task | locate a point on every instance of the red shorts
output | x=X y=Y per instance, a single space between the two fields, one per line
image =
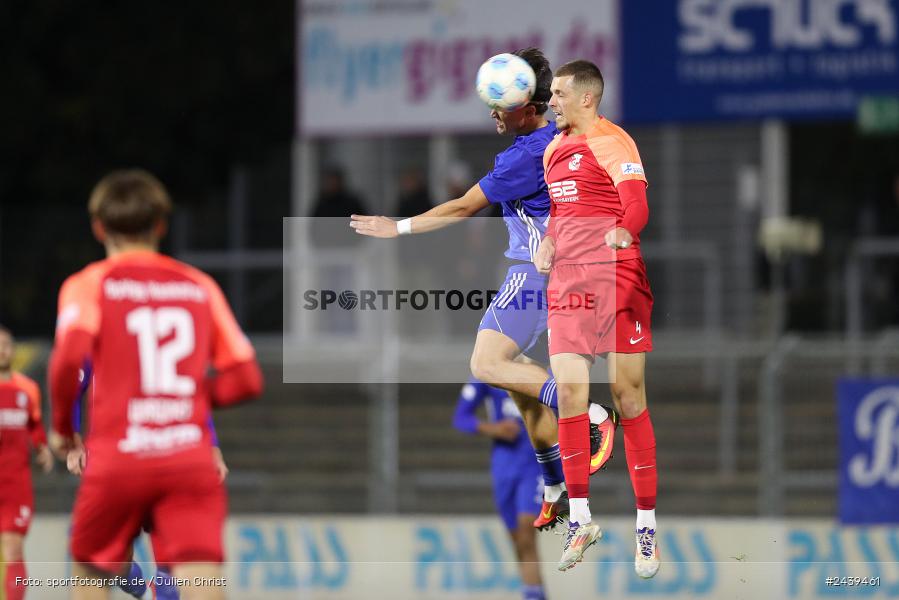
x=186 y=510
x=599 y=307
x=16 y=505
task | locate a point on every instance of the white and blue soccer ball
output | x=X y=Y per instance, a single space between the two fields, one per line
x=506 y=82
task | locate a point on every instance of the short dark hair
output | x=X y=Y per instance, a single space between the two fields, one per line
x=129 y=202
x=6 y=330
x=538 y=62
x=584 y=74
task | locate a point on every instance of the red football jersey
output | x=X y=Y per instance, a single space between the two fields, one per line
x=157 y=325
x=582 y=173
x=20 y=425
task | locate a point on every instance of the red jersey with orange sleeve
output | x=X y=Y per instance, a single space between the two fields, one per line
x=21 y=428
x=583 y=174
x=151 y=326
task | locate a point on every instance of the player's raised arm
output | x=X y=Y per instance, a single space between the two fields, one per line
x=238 y=377
x=438 y=217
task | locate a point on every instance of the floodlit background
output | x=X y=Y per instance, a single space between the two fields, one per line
x=770 y=136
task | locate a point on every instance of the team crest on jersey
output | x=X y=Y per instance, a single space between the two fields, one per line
x=575 y=163
x=21 y=400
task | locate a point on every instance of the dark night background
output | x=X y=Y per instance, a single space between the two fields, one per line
x=187 y=90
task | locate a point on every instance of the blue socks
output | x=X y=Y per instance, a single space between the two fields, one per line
x=165 y=586
x=135 y=585
x=550 y=461
x=548 y=395
x=533 y=592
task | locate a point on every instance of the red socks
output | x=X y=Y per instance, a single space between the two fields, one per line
x=640 y=449
x=574 y=444
x=15 y=570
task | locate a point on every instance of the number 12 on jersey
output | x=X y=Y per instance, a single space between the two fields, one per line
x=159 y=361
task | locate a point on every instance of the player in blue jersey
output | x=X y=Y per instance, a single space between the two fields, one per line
x=510 y=349
x=517 y=477
x=162 y=586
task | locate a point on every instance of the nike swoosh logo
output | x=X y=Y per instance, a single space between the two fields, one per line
x=639 y=339
x=571 y=455
x=638 y=467
x=548 y=513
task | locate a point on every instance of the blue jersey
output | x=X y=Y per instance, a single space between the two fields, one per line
x=507 y=458
x=517 y=184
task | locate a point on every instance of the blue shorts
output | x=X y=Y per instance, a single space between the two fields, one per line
x=518 y=311
x=519 y=492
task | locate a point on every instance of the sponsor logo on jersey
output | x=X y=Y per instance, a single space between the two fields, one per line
x=160 y=291
x=563 y=191
x=13 y=418
x=160 y=439
x=632 y=168
x=575 y=163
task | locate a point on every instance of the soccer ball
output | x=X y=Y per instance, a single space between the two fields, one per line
x=506 y=82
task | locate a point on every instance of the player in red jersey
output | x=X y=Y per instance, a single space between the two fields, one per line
x=600 y=301
x=152 y=327
x=20 y=431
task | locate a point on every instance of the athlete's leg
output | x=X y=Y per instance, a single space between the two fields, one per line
x=493 y=362
x=627 y=374
x=524 y=537
x=11 y=545
x=204 y=581
x=496 y=361
x=572 y=373
x=573 y=382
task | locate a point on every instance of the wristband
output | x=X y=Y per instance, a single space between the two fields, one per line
x=404 y=227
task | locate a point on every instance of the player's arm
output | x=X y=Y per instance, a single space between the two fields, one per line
x=217 y=456
x=466 y=419
x=636 y=214
x=438 y=217
x=36 y=429
x=76 y=327
x=546 y=251
x=619 y=157
x=238 y=377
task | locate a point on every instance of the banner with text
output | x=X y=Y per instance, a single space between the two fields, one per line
x=707 y=59
x=449 y=558
x=409 y=66
x=869 y=450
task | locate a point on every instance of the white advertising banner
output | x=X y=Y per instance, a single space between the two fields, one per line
x=449 y=558
x=409 y=66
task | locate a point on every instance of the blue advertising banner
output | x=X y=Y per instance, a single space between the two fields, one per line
x=694 y=60
x=868 y=412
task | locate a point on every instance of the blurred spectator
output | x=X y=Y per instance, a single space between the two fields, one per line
x=334 y=199
x=414 y=197
x=333 y=206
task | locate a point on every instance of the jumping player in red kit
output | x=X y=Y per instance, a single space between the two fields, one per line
x=600 y=301
x=21 y=431
x=152 y=327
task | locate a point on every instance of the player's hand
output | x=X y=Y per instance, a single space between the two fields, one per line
x=45 y=459
x=219 y=461
x=60 y=444
x=380 y=227
x=619 y=239
x=506 y=430
x=76 y=459
x=543 y=260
